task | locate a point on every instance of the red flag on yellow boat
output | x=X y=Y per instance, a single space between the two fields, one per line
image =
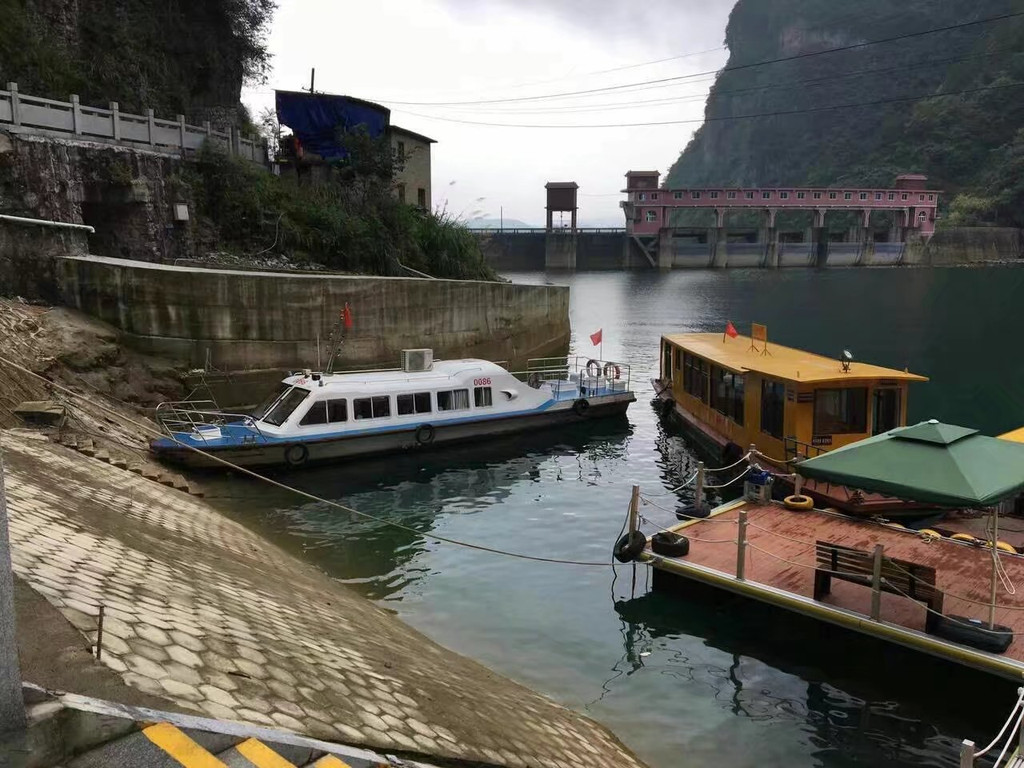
x=730 y=330
x=346 y=316
x=595 y=338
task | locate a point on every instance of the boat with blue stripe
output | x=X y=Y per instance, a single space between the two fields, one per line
x=319 y=417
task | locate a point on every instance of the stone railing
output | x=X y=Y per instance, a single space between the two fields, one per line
x=70 y=119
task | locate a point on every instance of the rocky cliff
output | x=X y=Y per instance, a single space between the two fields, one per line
x=969 y=141
x=173 y=56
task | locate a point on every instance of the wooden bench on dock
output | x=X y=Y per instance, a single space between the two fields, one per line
x=898 y=577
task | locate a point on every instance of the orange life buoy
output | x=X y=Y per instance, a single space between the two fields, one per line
x=612 y=371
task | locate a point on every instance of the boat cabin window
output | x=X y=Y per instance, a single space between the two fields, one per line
x=695 y=376
x=419 y=402
x=841 y=411
x=482 y=397
x=286 y=406
x=453 y=400
x=371 y=407
x=326 y=411
x=773 y=407
x=727 y=389
x=266 y=405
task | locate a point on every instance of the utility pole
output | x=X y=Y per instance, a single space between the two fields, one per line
x=12 y=703
x=312 y=80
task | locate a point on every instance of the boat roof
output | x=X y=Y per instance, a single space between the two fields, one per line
x=1016 y=436
x=741 y=354
x=441 y=372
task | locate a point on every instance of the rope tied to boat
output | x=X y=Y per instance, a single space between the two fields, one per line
x=1018 y=705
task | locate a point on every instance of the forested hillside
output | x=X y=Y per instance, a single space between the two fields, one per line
x=970 y=141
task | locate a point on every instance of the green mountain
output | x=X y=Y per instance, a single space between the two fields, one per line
x=861 y=116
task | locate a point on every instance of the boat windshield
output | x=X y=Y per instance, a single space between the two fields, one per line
x=284 y=407
x=267 y=404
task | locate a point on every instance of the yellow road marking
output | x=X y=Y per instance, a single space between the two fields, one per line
x=262 y=756
x=330 y=761
x=181 y=747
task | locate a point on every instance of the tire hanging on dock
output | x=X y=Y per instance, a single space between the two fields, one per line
x=670 y=544
x=425 y=434
x=580 y=407
x=296 y=455
x=629 y=547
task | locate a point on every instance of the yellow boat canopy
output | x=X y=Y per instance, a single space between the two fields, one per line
x=740 y=354
x=1016 y=436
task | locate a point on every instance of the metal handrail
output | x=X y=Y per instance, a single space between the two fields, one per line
x=190 y=415
x=791 y=447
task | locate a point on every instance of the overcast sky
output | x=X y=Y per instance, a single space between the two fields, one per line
x=392 y=51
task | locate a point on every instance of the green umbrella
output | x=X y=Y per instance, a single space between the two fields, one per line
x=933 y=463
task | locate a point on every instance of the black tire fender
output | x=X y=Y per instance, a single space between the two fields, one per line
x=670 y=544
x=694 y=512
x=629 y=547
x=425 y=434
x=296 y=455
x=533 y=380
x=581 y=406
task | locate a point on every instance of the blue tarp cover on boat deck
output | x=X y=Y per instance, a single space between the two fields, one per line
x=318 y=119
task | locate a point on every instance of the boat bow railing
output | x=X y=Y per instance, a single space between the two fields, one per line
x=565 y=373
x=199 y=418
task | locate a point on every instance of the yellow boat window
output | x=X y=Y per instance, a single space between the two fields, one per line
x=841 y=411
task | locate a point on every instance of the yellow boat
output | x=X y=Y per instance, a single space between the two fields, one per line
x=1016 y=436
x=737 y=391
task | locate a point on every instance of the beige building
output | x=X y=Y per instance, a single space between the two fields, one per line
x=412 y=183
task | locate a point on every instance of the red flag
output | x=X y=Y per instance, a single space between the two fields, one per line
x=595 y=338
x=730 y=330
x=346 y=316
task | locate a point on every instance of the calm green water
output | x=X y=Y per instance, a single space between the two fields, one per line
x=695 y=680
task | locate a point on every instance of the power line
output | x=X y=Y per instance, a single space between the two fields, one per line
x=725 y=117
x=735 y=68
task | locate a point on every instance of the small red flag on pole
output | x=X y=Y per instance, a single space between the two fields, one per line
x=595 y=338
x=730 y=331
x=346 y=316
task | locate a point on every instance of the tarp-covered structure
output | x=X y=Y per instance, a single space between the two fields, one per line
x=319 y=120
x=931 y=462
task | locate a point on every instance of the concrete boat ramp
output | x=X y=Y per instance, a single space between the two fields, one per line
x=203 y=613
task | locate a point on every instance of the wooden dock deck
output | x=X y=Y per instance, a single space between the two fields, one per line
x=779 y=568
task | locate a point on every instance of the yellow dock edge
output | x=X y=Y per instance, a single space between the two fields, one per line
x=908 y=638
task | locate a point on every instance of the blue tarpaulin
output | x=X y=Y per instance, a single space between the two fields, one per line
x=318 y=119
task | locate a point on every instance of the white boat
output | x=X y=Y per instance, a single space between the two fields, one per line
x=317 y=417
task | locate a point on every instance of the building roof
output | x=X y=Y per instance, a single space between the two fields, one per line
x=643 y=173
x=413 y=134
x=561 y=185
x=783 y=363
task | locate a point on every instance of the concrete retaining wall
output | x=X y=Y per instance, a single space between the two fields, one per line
x=967 y=245
x=242 y=320
x=514 y=251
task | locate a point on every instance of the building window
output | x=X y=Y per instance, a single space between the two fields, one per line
x=642 y=196
x=904 y=196
x=714 y=195
x=419 y=402
x=801 y=195
x=892 y=196
x=841 y=411
x=847 y=195
x=863 y=195
x=931 y=198
x=652 y=215
x=731 y=195
x=677 y=195
x=654 y=195
x=817 y=195
x=773 y=407
x=421 y=198
x=401 y=193
x=371 y=407
x=878 y=195
x=727 y=393
x=695 y=195
x=482 y=397
x=695 y=376
x=920 y=198
x=453 y=400
x=766 y=195
x=748 y=195
x=783 y=195
x=326 y=411
x=832 y=195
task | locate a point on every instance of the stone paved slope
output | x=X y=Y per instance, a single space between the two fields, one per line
x=204 y=612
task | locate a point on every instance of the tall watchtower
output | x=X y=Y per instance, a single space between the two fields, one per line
x=561 y=197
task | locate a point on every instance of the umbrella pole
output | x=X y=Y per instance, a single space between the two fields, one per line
x=995 y=566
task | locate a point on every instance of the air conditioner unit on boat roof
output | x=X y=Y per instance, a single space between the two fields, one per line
x=417 y=359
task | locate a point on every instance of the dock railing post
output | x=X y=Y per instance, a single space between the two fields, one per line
x=698 y=490
x=798 y=484
x=741 y=546
x=634 y=510
x=967 y=754
x=876 y=584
